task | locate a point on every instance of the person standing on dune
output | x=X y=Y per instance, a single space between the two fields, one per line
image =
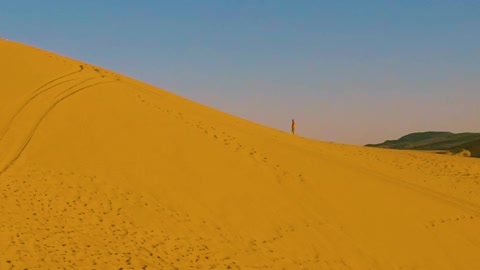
x=293 y=126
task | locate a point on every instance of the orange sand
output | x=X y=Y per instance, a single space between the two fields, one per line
x=100 y=171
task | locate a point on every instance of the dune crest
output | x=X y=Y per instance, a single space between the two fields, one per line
x=101 y=171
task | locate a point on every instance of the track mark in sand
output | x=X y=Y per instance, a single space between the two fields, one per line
x=62 y=95
x=339 y=264
x=32 y=132
x=456 y=220
x=58 y=78
x=36 y=93
x=75 y=85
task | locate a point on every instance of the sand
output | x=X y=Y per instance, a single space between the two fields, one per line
x=101 y=171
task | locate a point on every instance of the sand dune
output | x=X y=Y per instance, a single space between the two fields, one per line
x=100 y=171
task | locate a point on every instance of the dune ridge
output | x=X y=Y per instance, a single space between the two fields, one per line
x=101 y=171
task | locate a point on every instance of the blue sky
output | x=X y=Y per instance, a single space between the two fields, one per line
x=348 y=71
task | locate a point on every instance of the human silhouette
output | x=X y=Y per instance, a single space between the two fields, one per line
x=293 y=126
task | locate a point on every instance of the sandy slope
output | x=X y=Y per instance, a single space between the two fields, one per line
x=99 y=171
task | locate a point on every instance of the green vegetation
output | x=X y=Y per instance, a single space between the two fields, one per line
x=433 y=141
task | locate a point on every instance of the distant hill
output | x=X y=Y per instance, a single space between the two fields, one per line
x=435 y=141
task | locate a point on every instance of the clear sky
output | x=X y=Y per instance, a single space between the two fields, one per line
x=348 y=71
